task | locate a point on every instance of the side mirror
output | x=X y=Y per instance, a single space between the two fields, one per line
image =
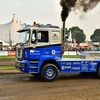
x=39 y=36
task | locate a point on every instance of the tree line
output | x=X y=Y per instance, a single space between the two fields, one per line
x=79 y=35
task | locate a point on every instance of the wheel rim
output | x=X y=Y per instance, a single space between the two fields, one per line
x=50 y=73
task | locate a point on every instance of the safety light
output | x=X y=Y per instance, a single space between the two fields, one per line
x=34 y=23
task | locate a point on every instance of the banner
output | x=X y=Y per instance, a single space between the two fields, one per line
x=11 y=53
x=7 y=53
x=3 y=53
x=71 y=53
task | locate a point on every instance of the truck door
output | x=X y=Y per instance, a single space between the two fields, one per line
x=40 y=47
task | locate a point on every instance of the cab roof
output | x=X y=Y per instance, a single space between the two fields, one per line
x=26 y=27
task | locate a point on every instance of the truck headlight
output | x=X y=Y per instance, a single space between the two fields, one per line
x=23 y=65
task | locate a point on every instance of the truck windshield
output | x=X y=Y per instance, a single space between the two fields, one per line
x=23 y=36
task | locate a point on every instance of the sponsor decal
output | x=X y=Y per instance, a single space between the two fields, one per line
x=82 y=62
x=53 y=52
x=87 y=62
x=66 y=67
x=63 y=68
x=63 y=63
x=69 y=63
x=31 y=51
x=66 y=63
x=85 y=68
x=76 y=68
x=76 y=63
x=34 y=52
x=93 y=66
x=85 y=65
x=58 y=58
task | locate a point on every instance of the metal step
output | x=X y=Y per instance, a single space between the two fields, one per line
x=34 y=62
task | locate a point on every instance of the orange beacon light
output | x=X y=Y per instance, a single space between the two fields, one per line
x=34 y=23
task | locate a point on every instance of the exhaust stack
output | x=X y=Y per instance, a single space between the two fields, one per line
x=63 y=37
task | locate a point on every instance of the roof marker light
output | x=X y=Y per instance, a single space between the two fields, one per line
x=34 y=23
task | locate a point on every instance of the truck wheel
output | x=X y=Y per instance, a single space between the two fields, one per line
x=49 y=72
x=98 y=72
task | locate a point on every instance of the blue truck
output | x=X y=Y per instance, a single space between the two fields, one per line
x=44 y=58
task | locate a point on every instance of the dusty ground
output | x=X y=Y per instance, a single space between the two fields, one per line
x=7 y=62
x=66 y=87
x=15 y=85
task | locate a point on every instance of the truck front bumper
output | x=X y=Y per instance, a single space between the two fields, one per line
x=22 y=65
x=26 y=66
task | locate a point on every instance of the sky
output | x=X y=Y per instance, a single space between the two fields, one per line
x=48 y=12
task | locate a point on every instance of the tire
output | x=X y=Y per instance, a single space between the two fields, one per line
x=49 y=72
x=98 y=72
x=36 y=75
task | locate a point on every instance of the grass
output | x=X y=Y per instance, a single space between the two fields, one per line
x=65 y=56
x=71 y=56
x=7 y=67
x=13 y=57
x=7 y=57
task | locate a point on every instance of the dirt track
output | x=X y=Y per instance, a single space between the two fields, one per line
x=66 y=87
x=7 y=62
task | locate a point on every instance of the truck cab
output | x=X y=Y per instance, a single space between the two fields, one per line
x=32 y=53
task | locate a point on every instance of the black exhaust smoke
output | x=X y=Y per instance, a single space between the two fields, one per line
x=72 y=5
x=66 y=8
